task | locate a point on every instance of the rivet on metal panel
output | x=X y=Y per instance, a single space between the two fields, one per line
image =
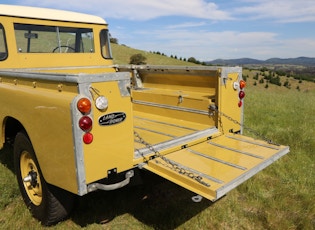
x=180 y=99
x=184 y=146
x=60 y=87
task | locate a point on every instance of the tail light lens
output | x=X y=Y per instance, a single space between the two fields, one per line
x=84 y=105
x=88 y=138
x=85 y=123
x=241 y=94
x=240 y=103
x=242 y=84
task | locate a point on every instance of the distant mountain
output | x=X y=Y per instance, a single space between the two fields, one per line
x=305 y=61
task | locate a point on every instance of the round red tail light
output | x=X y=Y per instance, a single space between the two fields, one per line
x=87 y=138
x=84 y=105
x=241 y=94
x=85 y=123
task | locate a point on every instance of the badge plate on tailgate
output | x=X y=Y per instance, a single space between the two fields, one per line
x=112 y=119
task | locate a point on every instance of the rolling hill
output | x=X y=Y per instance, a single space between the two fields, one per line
x=303 y=61
x=122 y=54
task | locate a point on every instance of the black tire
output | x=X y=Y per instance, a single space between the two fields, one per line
x=46 y=202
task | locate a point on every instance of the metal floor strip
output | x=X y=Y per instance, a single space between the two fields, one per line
x=254 y=143
x=216 y=159
x=196 y=172
x=235 y=150
x=183 y=140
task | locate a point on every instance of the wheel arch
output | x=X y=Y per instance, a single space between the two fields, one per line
x=11 y=127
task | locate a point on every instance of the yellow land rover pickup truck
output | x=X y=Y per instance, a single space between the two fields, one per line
x=77 y=122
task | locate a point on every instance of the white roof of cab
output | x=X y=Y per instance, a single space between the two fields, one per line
x=48 y=14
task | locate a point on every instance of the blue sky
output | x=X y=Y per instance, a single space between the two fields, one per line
x=204 y=29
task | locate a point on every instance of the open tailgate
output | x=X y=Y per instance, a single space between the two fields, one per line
x=214 y=167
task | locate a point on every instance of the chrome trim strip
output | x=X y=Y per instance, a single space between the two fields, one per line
x=178 y=68
x=164 y=106
x=176 y=142
x=216 y=159
x=254 y=143
x=235 y=150
x=124 y=85
x=78 y=148
x=59 y=68
x=165 y=123
x=71 y=78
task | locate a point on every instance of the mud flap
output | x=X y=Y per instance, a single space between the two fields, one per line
x=217 y=165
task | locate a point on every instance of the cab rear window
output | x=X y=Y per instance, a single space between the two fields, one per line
x=53 y=39
x=3 y=45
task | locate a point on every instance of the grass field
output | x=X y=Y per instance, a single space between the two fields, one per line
x=280 y=197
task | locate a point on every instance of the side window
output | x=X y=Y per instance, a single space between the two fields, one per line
x=3 y=45
x=105 y=44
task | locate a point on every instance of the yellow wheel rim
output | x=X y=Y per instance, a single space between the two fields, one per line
x=33 y=187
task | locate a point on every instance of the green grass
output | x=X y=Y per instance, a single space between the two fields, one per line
x=279 y=197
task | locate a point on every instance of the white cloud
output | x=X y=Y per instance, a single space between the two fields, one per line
x=194 y=36
x=186 y=25
x=206 y=46
x=280 y=10
x=138 y=9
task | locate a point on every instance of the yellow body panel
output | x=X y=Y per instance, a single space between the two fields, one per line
x=112 y=146
x=228 y=103
x=45 y=115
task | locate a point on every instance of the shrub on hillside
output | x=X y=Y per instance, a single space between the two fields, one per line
x=138 y=59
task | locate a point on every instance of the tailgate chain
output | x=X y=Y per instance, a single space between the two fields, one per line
x=214 y=108
x=169 y=163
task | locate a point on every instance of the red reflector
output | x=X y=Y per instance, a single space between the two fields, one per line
x=242 y=84
x=85 y=123
x=241 y=94
x=240 y=103
x=84 y=105
x=87 y=138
